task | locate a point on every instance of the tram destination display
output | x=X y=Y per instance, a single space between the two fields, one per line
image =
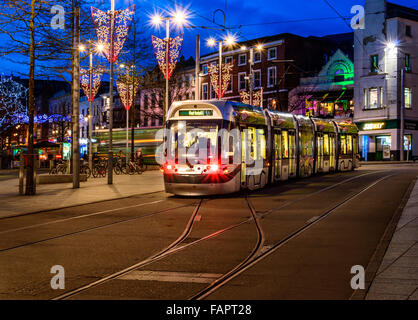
x=195 y=113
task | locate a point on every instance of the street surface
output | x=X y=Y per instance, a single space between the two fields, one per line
x=295 y=240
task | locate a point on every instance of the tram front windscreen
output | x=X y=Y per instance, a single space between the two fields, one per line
x=193 y=141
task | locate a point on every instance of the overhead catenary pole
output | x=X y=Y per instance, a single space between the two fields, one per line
x=197 y=69
x=401 y=133
x=133 y=99
x=167 y=26
x=110 y=154
x=127 y=117
x=91 y=109
x=220 y=71
x=251 y=75
x=76 y=101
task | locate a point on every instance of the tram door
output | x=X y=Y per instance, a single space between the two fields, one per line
x=319 y=152
x=326 y=153
x=332 y=159
x=277 y=155
x=285 y=155
x=253 y=157
x=292 y=153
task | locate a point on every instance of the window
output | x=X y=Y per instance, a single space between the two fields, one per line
x=272 y=53
x=365 y=98
x=229 y=88
x=374 y=63
x=408 y=63
x=408 y=98
x=285 y=144
x=242 y=59
x=408 y=31
x=271 y=76
x=205 y=91
x=257 y=79
x=212 y=92
x=349 y=144
x=242 y=84
x=228 y=60
x=257 y=57
x=205 y=69
x=373 y=98
x=326 y=144
x=381 y=97
x=343 y=144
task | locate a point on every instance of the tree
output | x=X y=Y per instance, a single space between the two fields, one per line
x=26 y=33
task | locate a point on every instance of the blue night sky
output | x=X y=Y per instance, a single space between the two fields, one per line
x=256 y=19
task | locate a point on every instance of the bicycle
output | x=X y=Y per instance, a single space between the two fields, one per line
x=99 y=169
x=85 y=169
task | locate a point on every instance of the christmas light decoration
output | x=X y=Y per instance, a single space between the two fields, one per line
x=213 y=71
x=90 y=92
x=123 y=20
x=160 y=51
x=125 y=89
x=257 y=97
x=12 y=101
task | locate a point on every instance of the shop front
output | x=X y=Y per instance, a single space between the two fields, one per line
x=379 y=140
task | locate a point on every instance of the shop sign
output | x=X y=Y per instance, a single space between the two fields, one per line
x=373 y=126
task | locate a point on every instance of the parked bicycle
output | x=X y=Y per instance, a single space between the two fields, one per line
x=99 y=169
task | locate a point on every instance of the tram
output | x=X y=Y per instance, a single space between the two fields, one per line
x=219 y=147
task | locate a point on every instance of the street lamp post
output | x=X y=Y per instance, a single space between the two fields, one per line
x=211 y=42
x=110 y=154
x=180 y=19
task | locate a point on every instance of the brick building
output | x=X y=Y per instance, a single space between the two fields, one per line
x=277 y=68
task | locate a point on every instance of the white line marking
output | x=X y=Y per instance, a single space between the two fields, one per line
x=79 y=217
x=164 y=276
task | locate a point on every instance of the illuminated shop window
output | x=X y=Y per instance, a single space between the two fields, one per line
x=373 y=98
x=408 y=98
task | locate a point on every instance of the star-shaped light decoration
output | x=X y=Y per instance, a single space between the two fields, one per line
x=213 y=71
x=160 y=51
x=123 y=20
x=90 y=92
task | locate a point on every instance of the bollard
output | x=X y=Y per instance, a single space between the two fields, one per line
x=21 y=173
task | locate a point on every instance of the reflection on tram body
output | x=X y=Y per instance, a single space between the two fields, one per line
x=217 y=147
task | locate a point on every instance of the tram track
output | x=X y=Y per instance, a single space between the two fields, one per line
x=106 y=225
x=256 y=256
x=97 y=227
x=178 y=245
x=167 y=250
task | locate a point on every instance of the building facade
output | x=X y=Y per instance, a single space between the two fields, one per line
x=278 y=64
x=329 y=94
x=386 y=81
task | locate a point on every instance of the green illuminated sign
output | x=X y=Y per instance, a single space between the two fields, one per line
x=195 y=113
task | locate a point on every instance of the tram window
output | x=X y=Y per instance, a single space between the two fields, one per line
x=285 y=144
x=349 y=144
x=326 y=145
x=252 y=143
x=292 y=145
x=277 y=145
x=262 y=140
x=343 y=144
x=307 y=143
x=355 y=144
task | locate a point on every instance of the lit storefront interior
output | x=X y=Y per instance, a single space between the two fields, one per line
x=378 y=141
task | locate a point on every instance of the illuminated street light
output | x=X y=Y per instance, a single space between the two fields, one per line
x=180 y=19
